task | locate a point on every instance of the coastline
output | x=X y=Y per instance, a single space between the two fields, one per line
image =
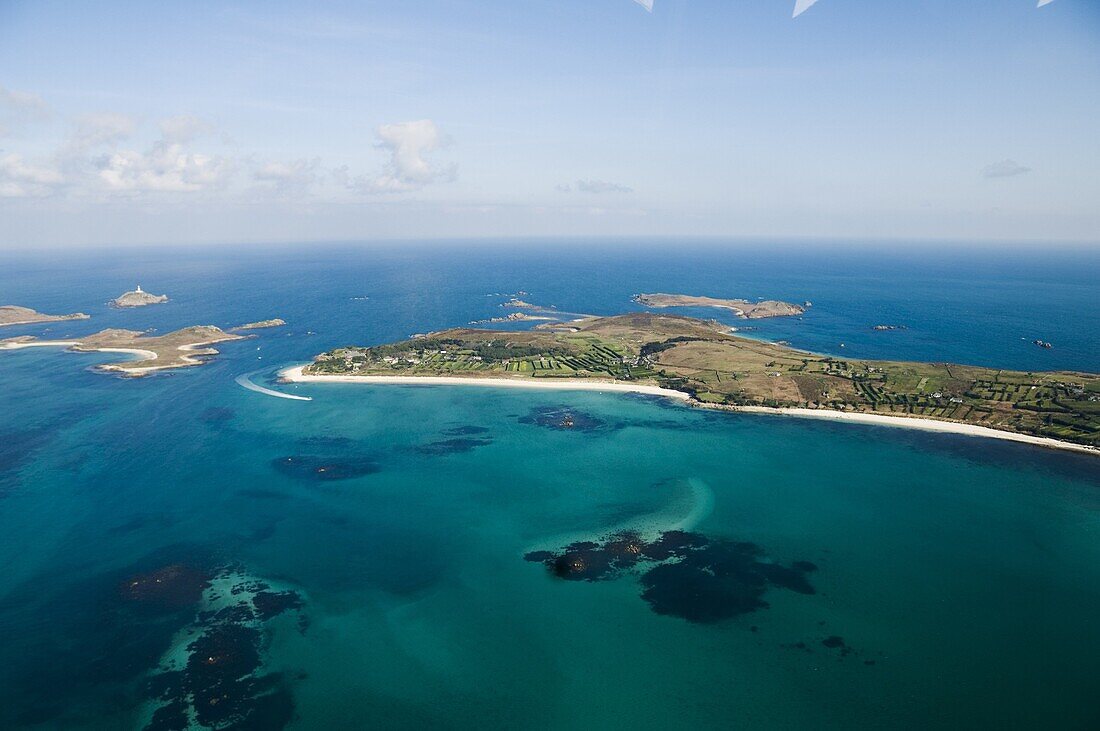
x=295 y=375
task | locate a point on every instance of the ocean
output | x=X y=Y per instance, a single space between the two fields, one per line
x=178 y=550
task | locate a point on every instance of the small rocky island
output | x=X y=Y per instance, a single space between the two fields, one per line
x=138 y=298
x=179 y=349
x=274 y=322
x=16 y=315
x=742 y=308
x=514 y=317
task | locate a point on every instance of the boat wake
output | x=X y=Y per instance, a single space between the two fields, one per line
x=246 y=381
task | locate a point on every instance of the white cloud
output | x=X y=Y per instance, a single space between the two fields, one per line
x=182 y=128
x=98 y=130
x=1005 y=169
x=18 y=108
x=167 y=167
x=407 y=169
x=595 y=186
x=19 y=179
x=288 y=177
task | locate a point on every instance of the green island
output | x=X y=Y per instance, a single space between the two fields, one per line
x=702 y=359
x=16 y=315
x=179 y=349
x=260 y=325
x=742 y=308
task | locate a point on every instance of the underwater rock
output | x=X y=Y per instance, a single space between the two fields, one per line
x=269 y=604
x=326 y=441
x=562 y=418
x=217 y=415
x=325 y=469
x=695 y=578
x=465 y=431
x=175 y=585
x=456 y=445
x=220 y=686
x=219 y=682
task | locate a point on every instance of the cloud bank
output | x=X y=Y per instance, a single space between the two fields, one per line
x=594 y=186
x=1005 y=169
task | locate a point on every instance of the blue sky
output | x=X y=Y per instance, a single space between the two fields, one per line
x=131 y=123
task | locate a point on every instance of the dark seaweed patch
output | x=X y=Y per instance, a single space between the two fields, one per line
x=269 y=604
x=456 y=445
x=176 y=585
x=591 y=561
x=141 y=521
x=221 y=683
x=260 y=493
x=217 y=415
x=16 y=449
x=325 y=441
x=465 y=431
x=562 y=418
x=836 y=642
x=695 y=578
x=325 y=469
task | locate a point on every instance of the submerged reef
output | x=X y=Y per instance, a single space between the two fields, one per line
x=175 y=585
x=455 y=445
x=325 y=469
x=165 y=639
x=687 y=575
x=465 y=430
x=562 y=418
x=213 y=676
x=217 y=415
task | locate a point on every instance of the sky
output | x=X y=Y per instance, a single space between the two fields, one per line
x=144 y=123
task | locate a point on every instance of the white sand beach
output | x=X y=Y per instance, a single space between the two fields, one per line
x=16 y=345
x=295 y=375
x=912 y=422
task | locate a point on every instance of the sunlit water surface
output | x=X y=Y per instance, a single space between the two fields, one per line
x=179 y=547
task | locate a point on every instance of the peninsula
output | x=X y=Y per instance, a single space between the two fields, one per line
x=179 y=349
x=700 y=361
x=138 y=298
x=16 y=315
x=742 y=308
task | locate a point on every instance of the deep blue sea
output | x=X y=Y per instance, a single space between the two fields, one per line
x=178 y=551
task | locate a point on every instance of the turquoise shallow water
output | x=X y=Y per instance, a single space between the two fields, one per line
x=960 y=574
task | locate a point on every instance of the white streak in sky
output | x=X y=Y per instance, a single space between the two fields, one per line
x=801 y=6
